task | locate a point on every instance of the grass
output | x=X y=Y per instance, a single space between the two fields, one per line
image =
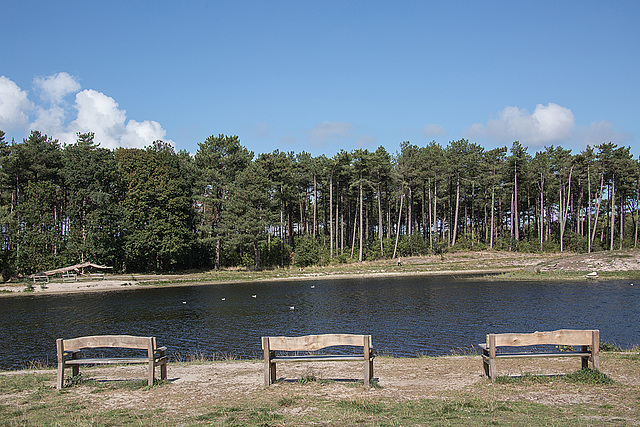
x=29 y=398
x=583 y=376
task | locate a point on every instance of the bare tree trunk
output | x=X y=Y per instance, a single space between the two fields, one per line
x=315 y=204
x=217 y=256
x=281 y=227
x=410 y=213
x=431 y=222
x=613 y=210
x=589 y=211
x=515 y=205
x=635 y=240
x=355 y=228
x=435 y=207
x=493 y=210
x=541 y=231
x=595 y=224
x=511 y=217
x=621 y=221
x=564 y=209
x=380 y=231
x=395 y=248
x=361 y=208
x=340 y=221
x=331 y=214
x=256 y=252
x=455 y=221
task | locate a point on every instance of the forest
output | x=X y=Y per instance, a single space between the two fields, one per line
x=158 y=210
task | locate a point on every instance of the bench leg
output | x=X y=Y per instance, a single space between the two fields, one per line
x=163 y=370
x=367 y=373
x=269 y=373
x=75 y=369
x=162 y=356
x=151 y=373
x=585 y=359
x=273 y=373
x=492 y=370
x=60 y=377
x=485 y=363
x=595 y=361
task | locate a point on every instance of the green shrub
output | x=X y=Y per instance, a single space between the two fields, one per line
x=307 y=251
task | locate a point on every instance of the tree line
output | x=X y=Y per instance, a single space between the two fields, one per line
x=155 y=209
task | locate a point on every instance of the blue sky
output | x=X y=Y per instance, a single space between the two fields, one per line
x=323 y=76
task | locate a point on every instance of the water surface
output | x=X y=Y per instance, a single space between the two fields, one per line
x=407 y=316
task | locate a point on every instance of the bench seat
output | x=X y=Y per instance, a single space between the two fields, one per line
x=69 y=353
x=587 y=340
x=272 y=345
x=319 y=358
x=110 y=360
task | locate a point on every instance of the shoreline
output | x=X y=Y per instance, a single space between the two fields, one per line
x=623 y=265
x=106 y=285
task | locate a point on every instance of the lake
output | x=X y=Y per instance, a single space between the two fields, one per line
x=407 y=316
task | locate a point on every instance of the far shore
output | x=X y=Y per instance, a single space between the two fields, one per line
x=493 y=264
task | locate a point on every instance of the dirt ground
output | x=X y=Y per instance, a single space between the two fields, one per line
x=194 y=387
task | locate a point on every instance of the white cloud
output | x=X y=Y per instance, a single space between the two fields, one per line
x=601 y=132
x=92 y=111
x=100 y=114
x=431 y=129
x=549 y=123
x=55 y=87
x=140 y=134
x=14 y=106
x=49 y=120
x=326 y=132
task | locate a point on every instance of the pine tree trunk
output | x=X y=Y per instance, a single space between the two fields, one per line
x=395 y=248
x=493 y=210
x=380 y=230
x=589 y=211
x=331 y=214
x=256 y=253
x=595 y=223
x=613 y=210
x=435 y=207
x=361 y=222
x=455 y=221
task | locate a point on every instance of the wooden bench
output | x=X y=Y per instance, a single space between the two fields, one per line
x=563 y=337
x=310 y=343
x=67 y=277
x=69 y=352
x=40 y=277
x=99 y=276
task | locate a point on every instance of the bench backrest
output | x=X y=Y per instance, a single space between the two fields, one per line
x=559 y=337
x=108 y=341
x=315 y=342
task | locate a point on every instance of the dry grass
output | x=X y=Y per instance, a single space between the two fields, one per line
x=445 y=390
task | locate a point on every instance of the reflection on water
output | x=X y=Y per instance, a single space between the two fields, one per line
x=407 y=316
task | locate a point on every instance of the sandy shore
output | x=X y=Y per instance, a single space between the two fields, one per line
x=460 y=263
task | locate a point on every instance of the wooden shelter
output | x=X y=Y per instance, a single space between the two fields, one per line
x=77 y=268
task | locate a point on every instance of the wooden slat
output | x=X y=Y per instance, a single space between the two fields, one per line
x=325 y=358
x=562 y=354
x=559 y=337
x=101 y=341
x=108 y=361
x=315 y=342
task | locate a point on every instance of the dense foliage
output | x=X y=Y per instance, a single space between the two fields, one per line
x=157 y=210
